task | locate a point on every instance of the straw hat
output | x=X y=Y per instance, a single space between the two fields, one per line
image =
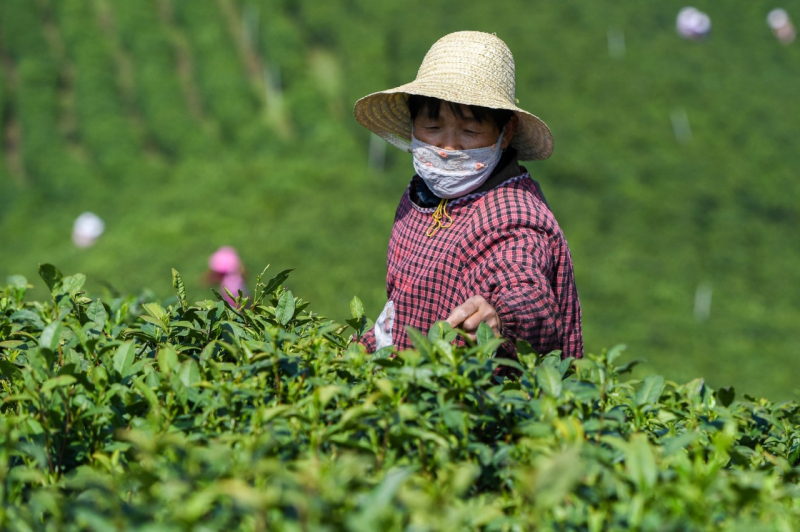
x=467 y=67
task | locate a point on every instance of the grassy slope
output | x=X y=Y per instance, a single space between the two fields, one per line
x=648 y=219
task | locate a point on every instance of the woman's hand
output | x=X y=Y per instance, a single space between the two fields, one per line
x=471 y=313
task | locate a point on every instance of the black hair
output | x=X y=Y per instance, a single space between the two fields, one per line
x=417 y=103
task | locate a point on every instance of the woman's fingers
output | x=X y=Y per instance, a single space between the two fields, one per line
x=487 y=315
x=463 y=312
x=469 y=315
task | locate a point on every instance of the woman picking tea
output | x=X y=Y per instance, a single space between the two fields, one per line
x=473 y=238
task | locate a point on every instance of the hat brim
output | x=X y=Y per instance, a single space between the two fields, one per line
x=386 y=114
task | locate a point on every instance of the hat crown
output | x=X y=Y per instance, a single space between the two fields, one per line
x=474 y=59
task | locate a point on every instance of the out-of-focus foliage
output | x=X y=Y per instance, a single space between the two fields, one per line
x=125 y=414
x=188 y=125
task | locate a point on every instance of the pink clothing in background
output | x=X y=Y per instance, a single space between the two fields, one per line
x=227 y=267
x=225 y=260
x=233 y=282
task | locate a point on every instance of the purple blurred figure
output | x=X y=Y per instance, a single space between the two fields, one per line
x=227 y=270
x=693 y=24
x=781 y=25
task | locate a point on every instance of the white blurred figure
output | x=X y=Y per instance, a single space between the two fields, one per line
x=87 y=229
x=693 y=24
x=616 y=43
x=781 y=25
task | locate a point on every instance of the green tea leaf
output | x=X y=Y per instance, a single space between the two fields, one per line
x=564 y=366
x=198 y=503
x=148 y=394
x=9 y=370
x=96 y=313
x=673 y=445
x=549 y=379
x=524 y=348
x=356 y=323
x=263 y=290
x=17 y=281
x=11 y=344
x=51 y=336
x=615 y=352
x=640 y=462
x=52 y=277
x=356 y=308
x=420 y=342
x=464 y=478
x=383 y=353
x=167 y=359
x=326 y=393
x=484 y=334
x=123 y=358
x=152 y=320
x=285 y=308
x=441 y=330
x=29 y=317
x=58 y=382
x=275 y=282
x=508 y=363
x=556 y=477
x=427 y=435
x=189 y=373
x=726 y=395
x=276 y=411
x=180 y=289
x=650 y=391
x=155 y=310
x=628 y=366
x=71 y=284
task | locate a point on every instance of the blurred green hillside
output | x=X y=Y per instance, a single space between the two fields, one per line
x=190 y=124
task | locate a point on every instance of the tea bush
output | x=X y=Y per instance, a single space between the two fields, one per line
x=123 y=414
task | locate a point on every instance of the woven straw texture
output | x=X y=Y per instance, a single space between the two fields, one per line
x=467 y=67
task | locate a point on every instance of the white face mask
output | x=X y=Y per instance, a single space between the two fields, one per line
x=453 y=173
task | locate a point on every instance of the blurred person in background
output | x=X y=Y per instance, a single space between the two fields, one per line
x=87 y=229
x=781 y=26
x=473 y=239
x=226 y=271
x=693 y=24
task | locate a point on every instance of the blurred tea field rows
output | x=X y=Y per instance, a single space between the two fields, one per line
x=187 y=125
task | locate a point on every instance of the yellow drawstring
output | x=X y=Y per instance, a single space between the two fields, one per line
x=439 y=215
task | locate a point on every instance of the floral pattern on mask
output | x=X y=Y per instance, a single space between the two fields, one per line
x=453 y=173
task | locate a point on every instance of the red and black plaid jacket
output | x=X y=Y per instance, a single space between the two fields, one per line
x=505 y=245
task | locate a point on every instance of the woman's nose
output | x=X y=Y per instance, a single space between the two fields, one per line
x=449 y=141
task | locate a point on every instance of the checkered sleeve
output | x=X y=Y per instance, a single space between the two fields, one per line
x=521 y=280
x=513 y=278
x=368 y=340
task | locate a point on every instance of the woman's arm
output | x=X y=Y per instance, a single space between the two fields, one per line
x=512 y=273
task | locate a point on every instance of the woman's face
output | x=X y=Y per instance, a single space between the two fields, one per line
x=450 y=132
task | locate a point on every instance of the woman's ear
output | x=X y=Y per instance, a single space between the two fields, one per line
x=510 y=129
